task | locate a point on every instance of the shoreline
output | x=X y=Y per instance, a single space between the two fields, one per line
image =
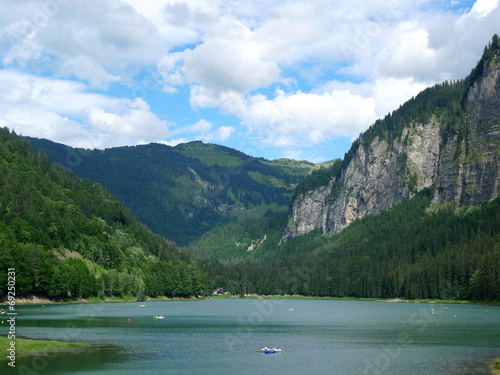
x=388 y=300
x=36 y=300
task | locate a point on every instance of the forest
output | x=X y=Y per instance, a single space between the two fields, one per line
x=409 y=251
x=183 y=192
x=69 y=237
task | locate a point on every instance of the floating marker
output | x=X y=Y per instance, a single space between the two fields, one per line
x=129 y=319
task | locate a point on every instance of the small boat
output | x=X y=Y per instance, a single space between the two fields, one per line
x=3 y=312
x=269 y=350
x=159 y=317
x=142 y=305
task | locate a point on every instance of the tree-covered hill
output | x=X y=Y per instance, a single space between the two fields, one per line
x=184 y=191
x=408 y=251
x=67 y=236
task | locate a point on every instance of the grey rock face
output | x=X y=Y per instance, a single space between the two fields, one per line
x=464 y=169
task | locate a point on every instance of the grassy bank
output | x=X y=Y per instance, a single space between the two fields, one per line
x=495 y=367
x=28 y=346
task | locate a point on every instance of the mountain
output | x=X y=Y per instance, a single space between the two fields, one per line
x=446 y=138
x=69 y=237
x=184 y=191
x=411 y=211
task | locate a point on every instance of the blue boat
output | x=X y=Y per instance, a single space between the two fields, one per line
x=269 y=350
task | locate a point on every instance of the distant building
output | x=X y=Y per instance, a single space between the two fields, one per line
x=219 y=291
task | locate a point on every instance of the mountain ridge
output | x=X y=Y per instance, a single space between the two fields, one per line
x=447 y=137
x=184 y=191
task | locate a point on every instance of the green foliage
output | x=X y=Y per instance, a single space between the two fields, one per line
x=185 y=191
x=141 y=297
x=318 y=178
x=406 y=251
x=232 y=241
x=69 y=237
x=488 y=54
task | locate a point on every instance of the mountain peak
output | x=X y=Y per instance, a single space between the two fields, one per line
x=446 y=138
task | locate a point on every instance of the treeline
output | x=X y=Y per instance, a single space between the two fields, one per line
x=66 y=236
x=405 y=252
x=318 y=178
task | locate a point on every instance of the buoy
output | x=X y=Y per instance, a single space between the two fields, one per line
x=129 y=319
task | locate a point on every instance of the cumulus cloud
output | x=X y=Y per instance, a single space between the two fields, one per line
x=229 y=60
x=360 y=60
x=202 y=130
x=221 y=134
x=63 y=111
x=482 y=8
x=298 y=118
x=87 y=70
x=109 y=33
x=137 y=124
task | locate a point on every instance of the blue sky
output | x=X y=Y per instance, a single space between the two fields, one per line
x=297 y=79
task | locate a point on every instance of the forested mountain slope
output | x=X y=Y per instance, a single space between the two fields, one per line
x=411 y=211
x=447 y=138
x=67 y=236
x=407 y=251
x=184 y=191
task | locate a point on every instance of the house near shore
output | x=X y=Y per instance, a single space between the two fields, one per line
x=219 y=291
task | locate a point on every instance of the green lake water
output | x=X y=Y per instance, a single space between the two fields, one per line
x=226 y=337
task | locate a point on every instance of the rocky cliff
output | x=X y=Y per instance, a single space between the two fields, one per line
x=454 y=149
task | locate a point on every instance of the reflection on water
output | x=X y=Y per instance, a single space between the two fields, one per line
x=226 y=337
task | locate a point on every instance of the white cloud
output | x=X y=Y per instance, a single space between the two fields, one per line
x=225 y=54
x=87 y=70
x=63 y=111
x=390 y=93
x=202 y=126
x=202 y=130
x=300 y=118
x=221 y=134
x=408 y=54
x=229 y=60
x=337 y=109
x=482 y=8
x=138 y=124
x=109 y=33
x=171 y=70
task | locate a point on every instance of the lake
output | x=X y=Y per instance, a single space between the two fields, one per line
x=225 y=336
